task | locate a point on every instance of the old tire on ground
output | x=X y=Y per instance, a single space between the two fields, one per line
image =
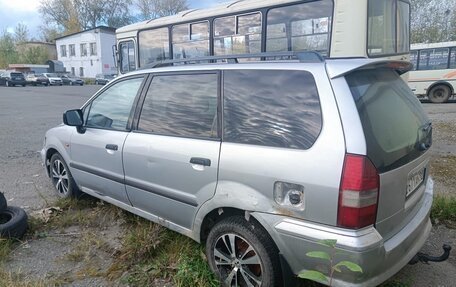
x=3 y=203
x=62 y=179
x=13 y=222
x=241 y=252
x=439 y=94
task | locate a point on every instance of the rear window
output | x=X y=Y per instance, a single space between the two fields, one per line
x=271 y=108
x=16 y=75
x=394 y=122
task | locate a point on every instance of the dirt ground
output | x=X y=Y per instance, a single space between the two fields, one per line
x=79 y=255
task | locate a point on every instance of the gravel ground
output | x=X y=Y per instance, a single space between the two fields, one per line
x=26 y=113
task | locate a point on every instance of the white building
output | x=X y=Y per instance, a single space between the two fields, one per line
x=88 y=53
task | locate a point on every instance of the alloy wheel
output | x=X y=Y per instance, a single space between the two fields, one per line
x=60 y=177
x=237 y=261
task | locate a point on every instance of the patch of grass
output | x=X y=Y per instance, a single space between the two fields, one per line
x=6 y=246
x=444 y=210
x=89 y=243
x=151 y=252
x=10 y=279
x=443 y=168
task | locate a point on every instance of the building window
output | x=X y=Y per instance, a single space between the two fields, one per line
x=63 y=52
x=73 y=72
x=93 y=49
x=81 y=72
x=83 y=50
x=72 y=50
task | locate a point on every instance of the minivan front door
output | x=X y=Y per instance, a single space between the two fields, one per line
x=171 y=159
x=96 y=154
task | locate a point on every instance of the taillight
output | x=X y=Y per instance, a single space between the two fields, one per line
x=358 y=193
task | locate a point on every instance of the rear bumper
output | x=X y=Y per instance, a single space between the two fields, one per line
x=380 y=259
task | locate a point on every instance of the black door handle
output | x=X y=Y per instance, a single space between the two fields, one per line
x=112 y=147
x=200 y=161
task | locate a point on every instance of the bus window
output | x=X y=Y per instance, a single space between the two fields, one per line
x=237 y=34
x=381 y=27
x=153 y=46
x=403 y=27
x=190 y=40
x=453 y=58
x=414 y=59
x=127 y=57
x=300 y=27
x=434 y=59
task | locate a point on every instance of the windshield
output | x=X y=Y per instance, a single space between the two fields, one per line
x=395 y=126
x=51 y=75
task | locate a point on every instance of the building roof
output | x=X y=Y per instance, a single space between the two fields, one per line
x=104 y=28
x=21 y=66
x=36 y=43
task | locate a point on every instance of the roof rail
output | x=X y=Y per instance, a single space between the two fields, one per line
x=303 y=57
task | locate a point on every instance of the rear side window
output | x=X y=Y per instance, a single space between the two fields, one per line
x=271 y=108
x=181 y=105
x=393 y=119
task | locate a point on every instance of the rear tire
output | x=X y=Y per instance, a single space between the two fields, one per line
x=3 y=203
x=241 y=252
x=439 y=94
x=61 y=178
x=13 y=222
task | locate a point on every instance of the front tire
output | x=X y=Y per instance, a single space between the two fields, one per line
x=241 y=253
x=439 y=94
x=62 y=179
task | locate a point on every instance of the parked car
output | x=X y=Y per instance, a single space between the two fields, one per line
x=11 y=79
x=70 y=80
x=37 y=79
x=54 y=80
x=101 y=79
x=261 y=161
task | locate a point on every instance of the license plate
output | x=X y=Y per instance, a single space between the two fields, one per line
x=414 y=181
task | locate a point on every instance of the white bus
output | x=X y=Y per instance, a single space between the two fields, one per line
x=335 y=28
x=434 y=72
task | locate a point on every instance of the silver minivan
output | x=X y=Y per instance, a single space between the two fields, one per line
x=260 y=161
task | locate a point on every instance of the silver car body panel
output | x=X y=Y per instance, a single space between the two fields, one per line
x=156 y=180
x=161 y=180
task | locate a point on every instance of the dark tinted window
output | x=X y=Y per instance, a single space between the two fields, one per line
x=434 y=59
x=453 y=58
x=112 y=108
x=393 y=119
x=181 y=105
x=271 y=108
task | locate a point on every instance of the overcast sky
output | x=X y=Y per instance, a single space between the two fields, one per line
x=13 y=12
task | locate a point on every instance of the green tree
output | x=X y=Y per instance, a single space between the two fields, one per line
x=34 y=55
x=433 y=21
x=8 y=53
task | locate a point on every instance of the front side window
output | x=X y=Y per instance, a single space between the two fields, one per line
x=434 y=59
x=300 y=27
x=271 y=108
x=112 y=108
x=191 y=40
x=237 y=34
x=388 y=27
x=181 y=105
x=127 y=57
x=63 y=51
x=83 y=50
x=153 y=46
x=414 y=59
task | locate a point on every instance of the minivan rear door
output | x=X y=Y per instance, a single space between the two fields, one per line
x=398 y=136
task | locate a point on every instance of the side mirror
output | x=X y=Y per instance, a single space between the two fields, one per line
x=74 y=118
